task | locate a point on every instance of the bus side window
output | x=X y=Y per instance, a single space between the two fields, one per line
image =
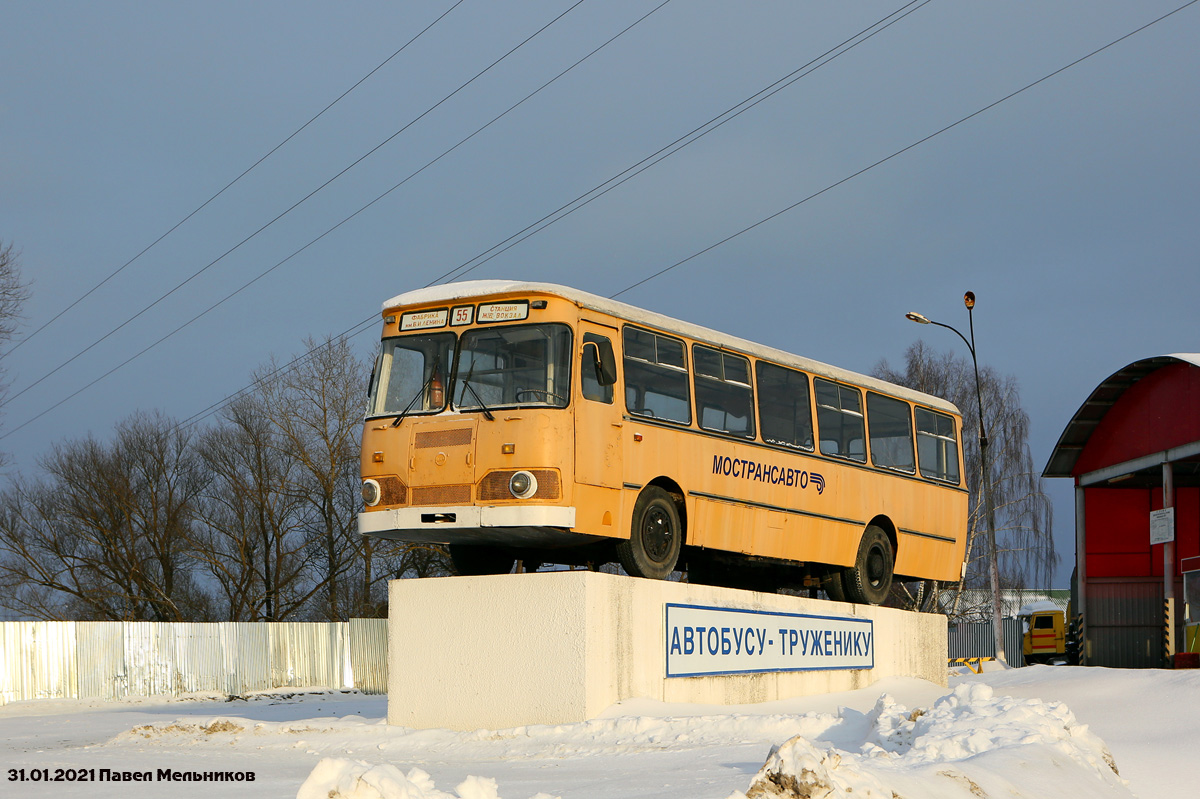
x=840 y=420
x=783 y=406
x=656 y=376
x=724 y=400
x=890 y=423
x=591 y=370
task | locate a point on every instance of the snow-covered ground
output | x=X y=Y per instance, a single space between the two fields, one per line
x=1035 y=732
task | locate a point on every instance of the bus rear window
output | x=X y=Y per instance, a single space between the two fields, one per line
x=937 y=447
x=656 y=380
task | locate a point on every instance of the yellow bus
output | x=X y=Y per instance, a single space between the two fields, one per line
x=532 y=422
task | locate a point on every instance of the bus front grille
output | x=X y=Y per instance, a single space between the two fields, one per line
x=454 y=437
x=494 y=486
x=392 y=491
x=442 y=495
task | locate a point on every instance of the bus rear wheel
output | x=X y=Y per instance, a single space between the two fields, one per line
x=470 y=561
x=655 y=537
x=869 y=580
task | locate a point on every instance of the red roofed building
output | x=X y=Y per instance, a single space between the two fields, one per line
x=1134 y=448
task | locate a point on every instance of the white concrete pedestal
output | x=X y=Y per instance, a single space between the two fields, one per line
x=555 y=647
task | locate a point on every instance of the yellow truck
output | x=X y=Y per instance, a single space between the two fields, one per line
x=1044 y=633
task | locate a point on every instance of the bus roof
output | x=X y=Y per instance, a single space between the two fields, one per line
x=473 y=289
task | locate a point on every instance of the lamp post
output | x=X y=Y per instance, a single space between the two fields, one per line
x=989 y=509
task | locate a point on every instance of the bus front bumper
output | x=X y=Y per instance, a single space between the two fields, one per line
x=512 y=525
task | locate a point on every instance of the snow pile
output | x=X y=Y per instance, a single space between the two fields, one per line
x=969 y=744
x=337 y=778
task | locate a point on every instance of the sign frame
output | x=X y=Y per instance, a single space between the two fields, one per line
x=803 y=628
x=1162 y=526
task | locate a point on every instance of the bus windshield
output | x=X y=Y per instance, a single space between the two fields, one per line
x=513 y=365
x=411 y=375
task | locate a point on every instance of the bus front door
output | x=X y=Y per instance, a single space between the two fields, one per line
x=598 y=422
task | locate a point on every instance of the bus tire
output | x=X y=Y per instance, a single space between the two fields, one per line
x=655 y=536
x=471 y=561
x=869 y=580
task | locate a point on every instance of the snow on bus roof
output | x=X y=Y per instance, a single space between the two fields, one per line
x=474 y=289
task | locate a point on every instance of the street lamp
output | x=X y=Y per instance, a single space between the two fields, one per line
x=989 y=509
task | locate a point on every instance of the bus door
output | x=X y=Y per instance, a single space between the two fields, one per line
x=598 y=419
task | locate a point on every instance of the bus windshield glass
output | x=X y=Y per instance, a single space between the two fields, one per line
x=411 y=375
x=513 y=365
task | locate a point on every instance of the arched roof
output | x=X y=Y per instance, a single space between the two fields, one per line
x=1079 y=430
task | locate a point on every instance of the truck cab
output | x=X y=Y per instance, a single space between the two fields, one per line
x=1044 y=633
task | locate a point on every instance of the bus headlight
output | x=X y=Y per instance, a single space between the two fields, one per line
x=522 y=485
x=371 y=492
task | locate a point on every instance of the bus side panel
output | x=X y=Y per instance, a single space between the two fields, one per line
x=598 y=511
x=925 y=515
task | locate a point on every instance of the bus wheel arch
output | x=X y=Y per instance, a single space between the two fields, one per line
x=656 y=532
x=869 y=580
x=889 y=529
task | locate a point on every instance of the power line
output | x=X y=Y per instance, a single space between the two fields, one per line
x=683 y=141
x=271 y=269
x=619 y=178
x=707 y=127
x=227 y=186
x=738 y=233
x=903 y=150
x=295 y=205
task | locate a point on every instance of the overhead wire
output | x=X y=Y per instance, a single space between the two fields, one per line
x=742 y=231
x=901 y=151
x=230 y=184
x=597 y=191
x=680 y=143
x=707 y=127
x=291 y=208
x=271 y=269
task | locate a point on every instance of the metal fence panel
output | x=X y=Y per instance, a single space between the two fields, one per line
x=38 y=660
x=306 y=654
x=247 y=657
x=112 y=660
x=975 y=639
x=368 y=654
x=100 y=650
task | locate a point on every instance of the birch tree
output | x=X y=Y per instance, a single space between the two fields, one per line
x=1024 y=514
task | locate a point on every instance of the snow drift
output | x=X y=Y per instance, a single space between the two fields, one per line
x=969 y=744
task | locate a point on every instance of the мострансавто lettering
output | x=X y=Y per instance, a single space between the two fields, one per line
x=767 y=473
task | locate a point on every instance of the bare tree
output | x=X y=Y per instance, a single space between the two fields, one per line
x=108 y=534
x=252 y=541
x=317 y=409
x=1024 y=514
x=13 y=293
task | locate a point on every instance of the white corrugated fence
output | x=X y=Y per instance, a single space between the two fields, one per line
x=112 y=659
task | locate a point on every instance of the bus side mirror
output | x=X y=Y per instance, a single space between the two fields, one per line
x=604 y=360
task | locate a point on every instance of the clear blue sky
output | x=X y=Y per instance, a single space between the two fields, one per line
x=1070 y=210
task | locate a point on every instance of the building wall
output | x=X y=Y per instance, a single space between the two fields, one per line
x=1149 y=417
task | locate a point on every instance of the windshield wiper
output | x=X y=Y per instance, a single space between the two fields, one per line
x=487 y=414
x=420 y=392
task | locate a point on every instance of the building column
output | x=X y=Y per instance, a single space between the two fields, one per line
x=1169 y=603
x=1080 y=609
